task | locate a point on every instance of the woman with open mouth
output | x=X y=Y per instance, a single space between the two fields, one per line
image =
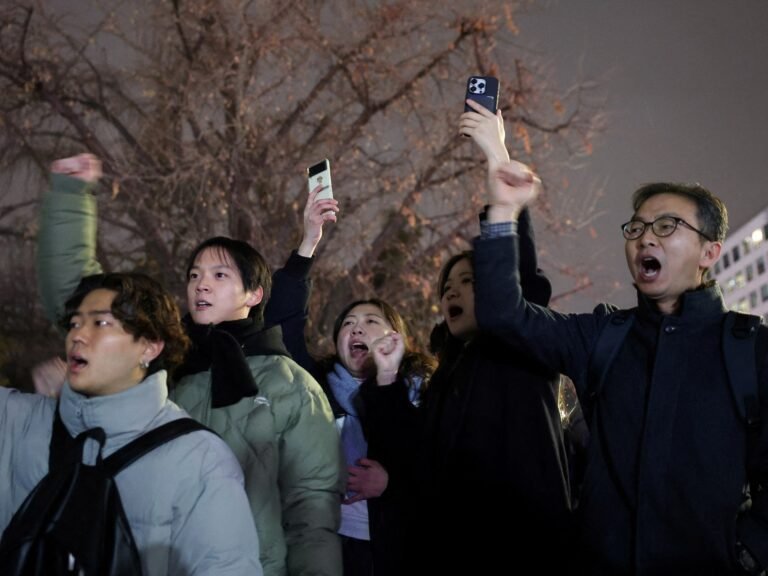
x=490 y=448
x=372 y=343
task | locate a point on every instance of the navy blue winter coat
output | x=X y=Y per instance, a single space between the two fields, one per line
x=668 y=459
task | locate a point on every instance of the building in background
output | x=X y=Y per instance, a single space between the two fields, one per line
x=741 y=270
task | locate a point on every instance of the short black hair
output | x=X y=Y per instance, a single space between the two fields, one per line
x=710 y=210
x=448 y=266
x=252 y=266
x=145 y=310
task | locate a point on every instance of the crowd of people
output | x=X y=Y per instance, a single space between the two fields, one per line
x=382 y=459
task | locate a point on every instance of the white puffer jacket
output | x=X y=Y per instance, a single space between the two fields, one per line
x=184 y=500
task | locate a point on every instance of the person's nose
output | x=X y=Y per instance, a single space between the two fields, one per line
x=202 y=285
x=78 y=334
x=648 y=237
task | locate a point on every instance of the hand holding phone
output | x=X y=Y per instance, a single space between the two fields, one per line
x=483 y=90
x=482 y=121
x=319 y=209
x=320 y=175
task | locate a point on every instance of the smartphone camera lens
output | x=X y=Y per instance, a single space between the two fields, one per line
x=477 y=86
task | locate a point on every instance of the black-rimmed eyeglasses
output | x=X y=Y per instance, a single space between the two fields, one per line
x=662 y=227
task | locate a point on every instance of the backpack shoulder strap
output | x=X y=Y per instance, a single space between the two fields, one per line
x=61 y=444
x=744 y=345
x=149 y=441
x=65 y=450
x=609 y=341
x=739 y=349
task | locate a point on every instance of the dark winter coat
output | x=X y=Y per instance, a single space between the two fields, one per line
x=668 y=458
x=490 y=454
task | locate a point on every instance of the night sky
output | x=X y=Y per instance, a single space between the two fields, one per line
x=686 y=90
x=685 y=84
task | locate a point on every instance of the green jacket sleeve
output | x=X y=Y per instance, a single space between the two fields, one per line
x=311 y=484
x=66 y=248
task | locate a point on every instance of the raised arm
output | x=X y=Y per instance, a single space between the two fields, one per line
x=560 y=341
x=66 y=249
x=316 y=214
x=487 y=132
x=292 y=285
x=48 y=377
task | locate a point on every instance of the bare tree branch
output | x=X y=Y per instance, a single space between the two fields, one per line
x=207 y=112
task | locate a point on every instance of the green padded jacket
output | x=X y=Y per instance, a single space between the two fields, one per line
x=284 y=437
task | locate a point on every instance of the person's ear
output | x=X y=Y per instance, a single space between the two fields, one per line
x=254 y=297
x=710 y=253
x=152 y=349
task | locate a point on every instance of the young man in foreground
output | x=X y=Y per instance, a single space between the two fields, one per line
x=184 y=501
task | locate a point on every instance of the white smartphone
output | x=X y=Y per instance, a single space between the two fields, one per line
x=320 y=175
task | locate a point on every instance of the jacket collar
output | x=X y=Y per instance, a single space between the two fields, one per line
x=223 y=350
x=705 y=301
x=122 y=416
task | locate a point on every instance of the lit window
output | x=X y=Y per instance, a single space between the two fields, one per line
x=742 y=305
x=746 y=245
x=740 y=279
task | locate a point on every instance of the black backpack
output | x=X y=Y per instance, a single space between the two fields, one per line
x=743 y=348
x=73 y=522
x=740 y=352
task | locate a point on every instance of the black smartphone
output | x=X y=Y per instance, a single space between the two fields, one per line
x=320 y=174
x=484 y=90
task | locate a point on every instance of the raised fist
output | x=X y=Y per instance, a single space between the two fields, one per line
x=85 y=167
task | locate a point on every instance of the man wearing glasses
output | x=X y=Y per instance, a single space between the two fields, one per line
x=670 y=456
